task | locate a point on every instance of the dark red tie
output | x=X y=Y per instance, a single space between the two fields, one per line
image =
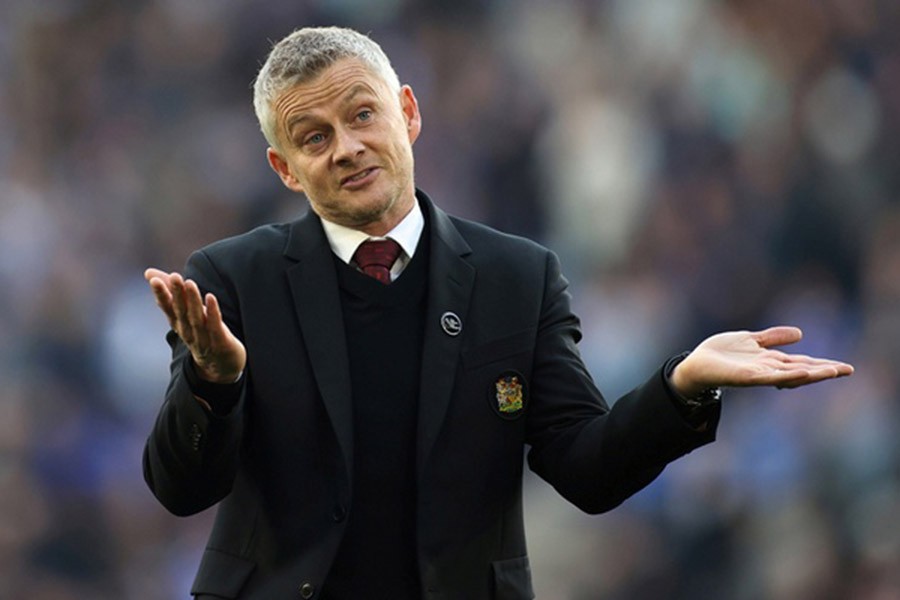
x=376 y=257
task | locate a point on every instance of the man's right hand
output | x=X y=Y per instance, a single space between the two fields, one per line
x=218 y=355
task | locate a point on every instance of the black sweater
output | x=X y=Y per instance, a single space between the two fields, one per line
x=384 y=328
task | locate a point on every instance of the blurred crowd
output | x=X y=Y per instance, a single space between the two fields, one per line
x=699 y=165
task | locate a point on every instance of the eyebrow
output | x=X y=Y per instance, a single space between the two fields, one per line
x=355 y=91
x=352 y=93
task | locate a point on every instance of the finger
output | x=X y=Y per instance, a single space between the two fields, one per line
x=845 y=369
x=813 y=363
x=179 y=309
x=817 y=374
x=779 y=361
x=808 y=379
x=831 y=371
x=213 y=312
x=152 y=273
x=809 y=362
x=777 y=336
x=163 y=298
x=196 y=315
x=159 y=285
x=804 y=359
x=215 y=324
x=160 y=291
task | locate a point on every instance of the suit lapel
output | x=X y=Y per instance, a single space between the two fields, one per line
x=314 y=286
x=450 y=282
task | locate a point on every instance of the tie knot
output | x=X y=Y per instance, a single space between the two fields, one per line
x=376 y=257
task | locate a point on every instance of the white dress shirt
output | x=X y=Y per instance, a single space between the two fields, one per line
x=344 y=240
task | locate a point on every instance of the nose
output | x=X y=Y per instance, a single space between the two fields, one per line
x=347 y=146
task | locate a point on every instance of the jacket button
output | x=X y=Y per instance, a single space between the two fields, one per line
x=307 y=590
x=338 y=513
x=196 y=436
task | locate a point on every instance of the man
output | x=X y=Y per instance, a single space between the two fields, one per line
x=362 y=426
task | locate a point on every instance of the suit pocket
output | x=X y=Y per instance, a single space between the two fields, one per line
x=222 y=575
x=512 y=579
x=499 y=349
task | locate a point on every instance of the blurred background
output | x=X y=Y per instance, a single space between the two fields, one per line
x=699 y=165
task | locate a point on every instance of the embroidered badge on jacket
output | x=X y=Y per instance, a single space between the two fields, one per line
x=508 y=395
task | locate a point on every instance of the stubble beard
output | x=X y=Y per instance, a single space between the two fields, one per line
x=373 y=212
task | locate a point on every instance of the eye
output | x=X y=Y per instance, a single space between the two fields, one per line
x=364 y=115
x=316 y=138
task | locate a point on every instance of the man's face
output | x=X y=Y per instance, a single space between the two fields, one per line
x=345 y=140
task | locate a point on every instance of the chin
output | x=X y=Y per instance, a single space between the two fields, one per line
x=358 y=215
x=374 y=205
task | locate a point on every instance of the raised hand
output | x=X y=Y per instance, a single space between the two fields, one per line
x=745 y=358
x=219 y=356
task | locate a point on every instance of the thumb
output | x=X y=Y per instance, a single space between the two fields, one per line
x=777 y=336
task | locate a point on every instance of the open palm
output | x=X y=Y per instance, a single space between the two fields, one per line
x=746 y=358
x=219 y=356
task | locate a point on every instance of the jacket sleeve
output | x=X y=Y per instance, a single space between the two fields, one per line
x=192 y=454
x=597 y=457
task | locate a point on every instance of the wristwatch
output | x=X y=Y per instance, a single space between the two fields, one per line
x=704 y=398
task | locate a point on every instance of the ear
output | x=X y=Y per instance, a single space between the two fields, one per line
x=283 y=169
x=410 y=107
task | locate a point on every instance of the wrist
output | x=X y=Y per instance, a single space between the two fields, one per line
x=685 y=387
x=215 y=373
x=218 y=398
x=213 y=376
x=681 y=382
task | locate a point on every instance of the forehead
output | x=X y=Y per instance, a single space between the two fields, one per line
x=335 y=84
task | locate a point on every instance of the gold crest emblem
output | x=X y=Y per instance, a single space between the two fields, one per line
x=510 y=394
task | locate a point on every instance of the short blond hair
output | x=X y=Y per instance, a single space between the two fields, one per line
x=303 y=55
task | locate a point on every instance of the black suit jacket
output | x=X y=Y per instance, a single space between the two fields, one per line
x=280 y=464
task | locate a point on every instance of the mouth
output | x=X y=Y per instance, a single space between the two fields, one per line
x=359 y=178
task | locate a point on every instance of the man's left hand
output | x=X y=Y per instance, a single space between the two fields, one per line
x=746 y=358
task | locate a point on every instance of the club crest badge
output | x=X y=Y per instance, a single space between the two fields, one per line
x=451 y=323
x=508 y=395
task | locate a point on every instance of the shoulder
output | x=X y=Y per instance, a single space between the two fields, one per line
x=271 y=237
x=505 y=263
x=487 y=242
x=259 y=246
x=477 y=241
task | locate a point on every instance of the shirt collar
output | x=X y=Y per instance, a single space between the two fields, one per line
x=344 y=240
